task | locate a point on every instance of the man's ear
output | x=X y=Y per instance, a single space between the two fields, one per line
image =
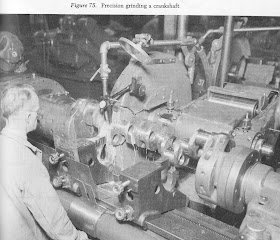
x=28 y=117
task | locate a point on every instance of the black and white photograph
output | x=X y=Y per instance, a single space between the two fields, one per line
x=136 y=124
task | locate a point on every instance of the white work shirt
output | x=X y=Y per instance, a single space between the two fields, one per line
x=29 y=206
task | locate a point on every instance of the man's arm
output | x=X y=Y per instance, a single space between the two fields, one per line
x=43 y=202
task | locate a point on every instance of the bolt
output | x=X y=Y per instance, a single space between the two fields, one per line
x=55 y=157
x=120 y=214
x=57 y=182
x=246 y=125
x=263 y=200
x=118 y=188
x=102 y=104
x=124 y=214
x=14 y=54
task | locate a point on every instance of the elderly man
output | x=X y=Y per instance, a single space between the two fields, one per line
x=30 y=208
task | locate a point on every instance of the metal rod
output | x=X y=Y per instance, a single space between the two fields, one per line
x=219 y=30
x=166 y=42
x=181 y=33
x=256 y=29
x=226 y=51
x=169 y=31
x=274 y=130
x=182 y=27
x=90 y=218
x=121 y=92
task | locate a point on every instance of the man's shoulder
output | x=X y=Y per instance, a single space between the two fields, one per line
x=6 y=141
x=14 y=151
x=7 y=144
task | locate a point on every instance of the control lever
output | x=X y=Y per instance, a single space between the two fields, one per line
x=136 y=88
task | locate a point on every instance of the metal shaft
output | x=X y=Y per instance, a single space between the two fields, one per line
x=182 y=32
x=227 y=39
x=182 y=27
x=257 y=29
x=96 y=223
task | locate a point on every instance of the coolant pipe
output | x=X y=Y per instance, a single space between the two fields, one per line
x=257 y=29
x=104 y=68
x=226 y=50
x=94 y=220
x=182 y=32
x=210 y=31
x=221 y=31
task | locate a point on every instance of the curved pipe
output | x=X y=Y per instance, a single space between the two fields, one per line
x=104 y=69
x=221 y=30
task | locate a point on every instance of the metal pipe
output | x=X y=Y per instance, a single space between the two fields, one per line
x=256 y=29
x=169 y=29
x=104 y=69
x=249 y=105
x=227 y=39
x=182 y=26
x=93 y=219
x=221 y=31
x=166 y=42
x=181 y=33
x=201 y=40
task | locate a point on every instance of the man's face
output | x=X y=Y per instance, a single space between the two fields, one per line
x=32 y=118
